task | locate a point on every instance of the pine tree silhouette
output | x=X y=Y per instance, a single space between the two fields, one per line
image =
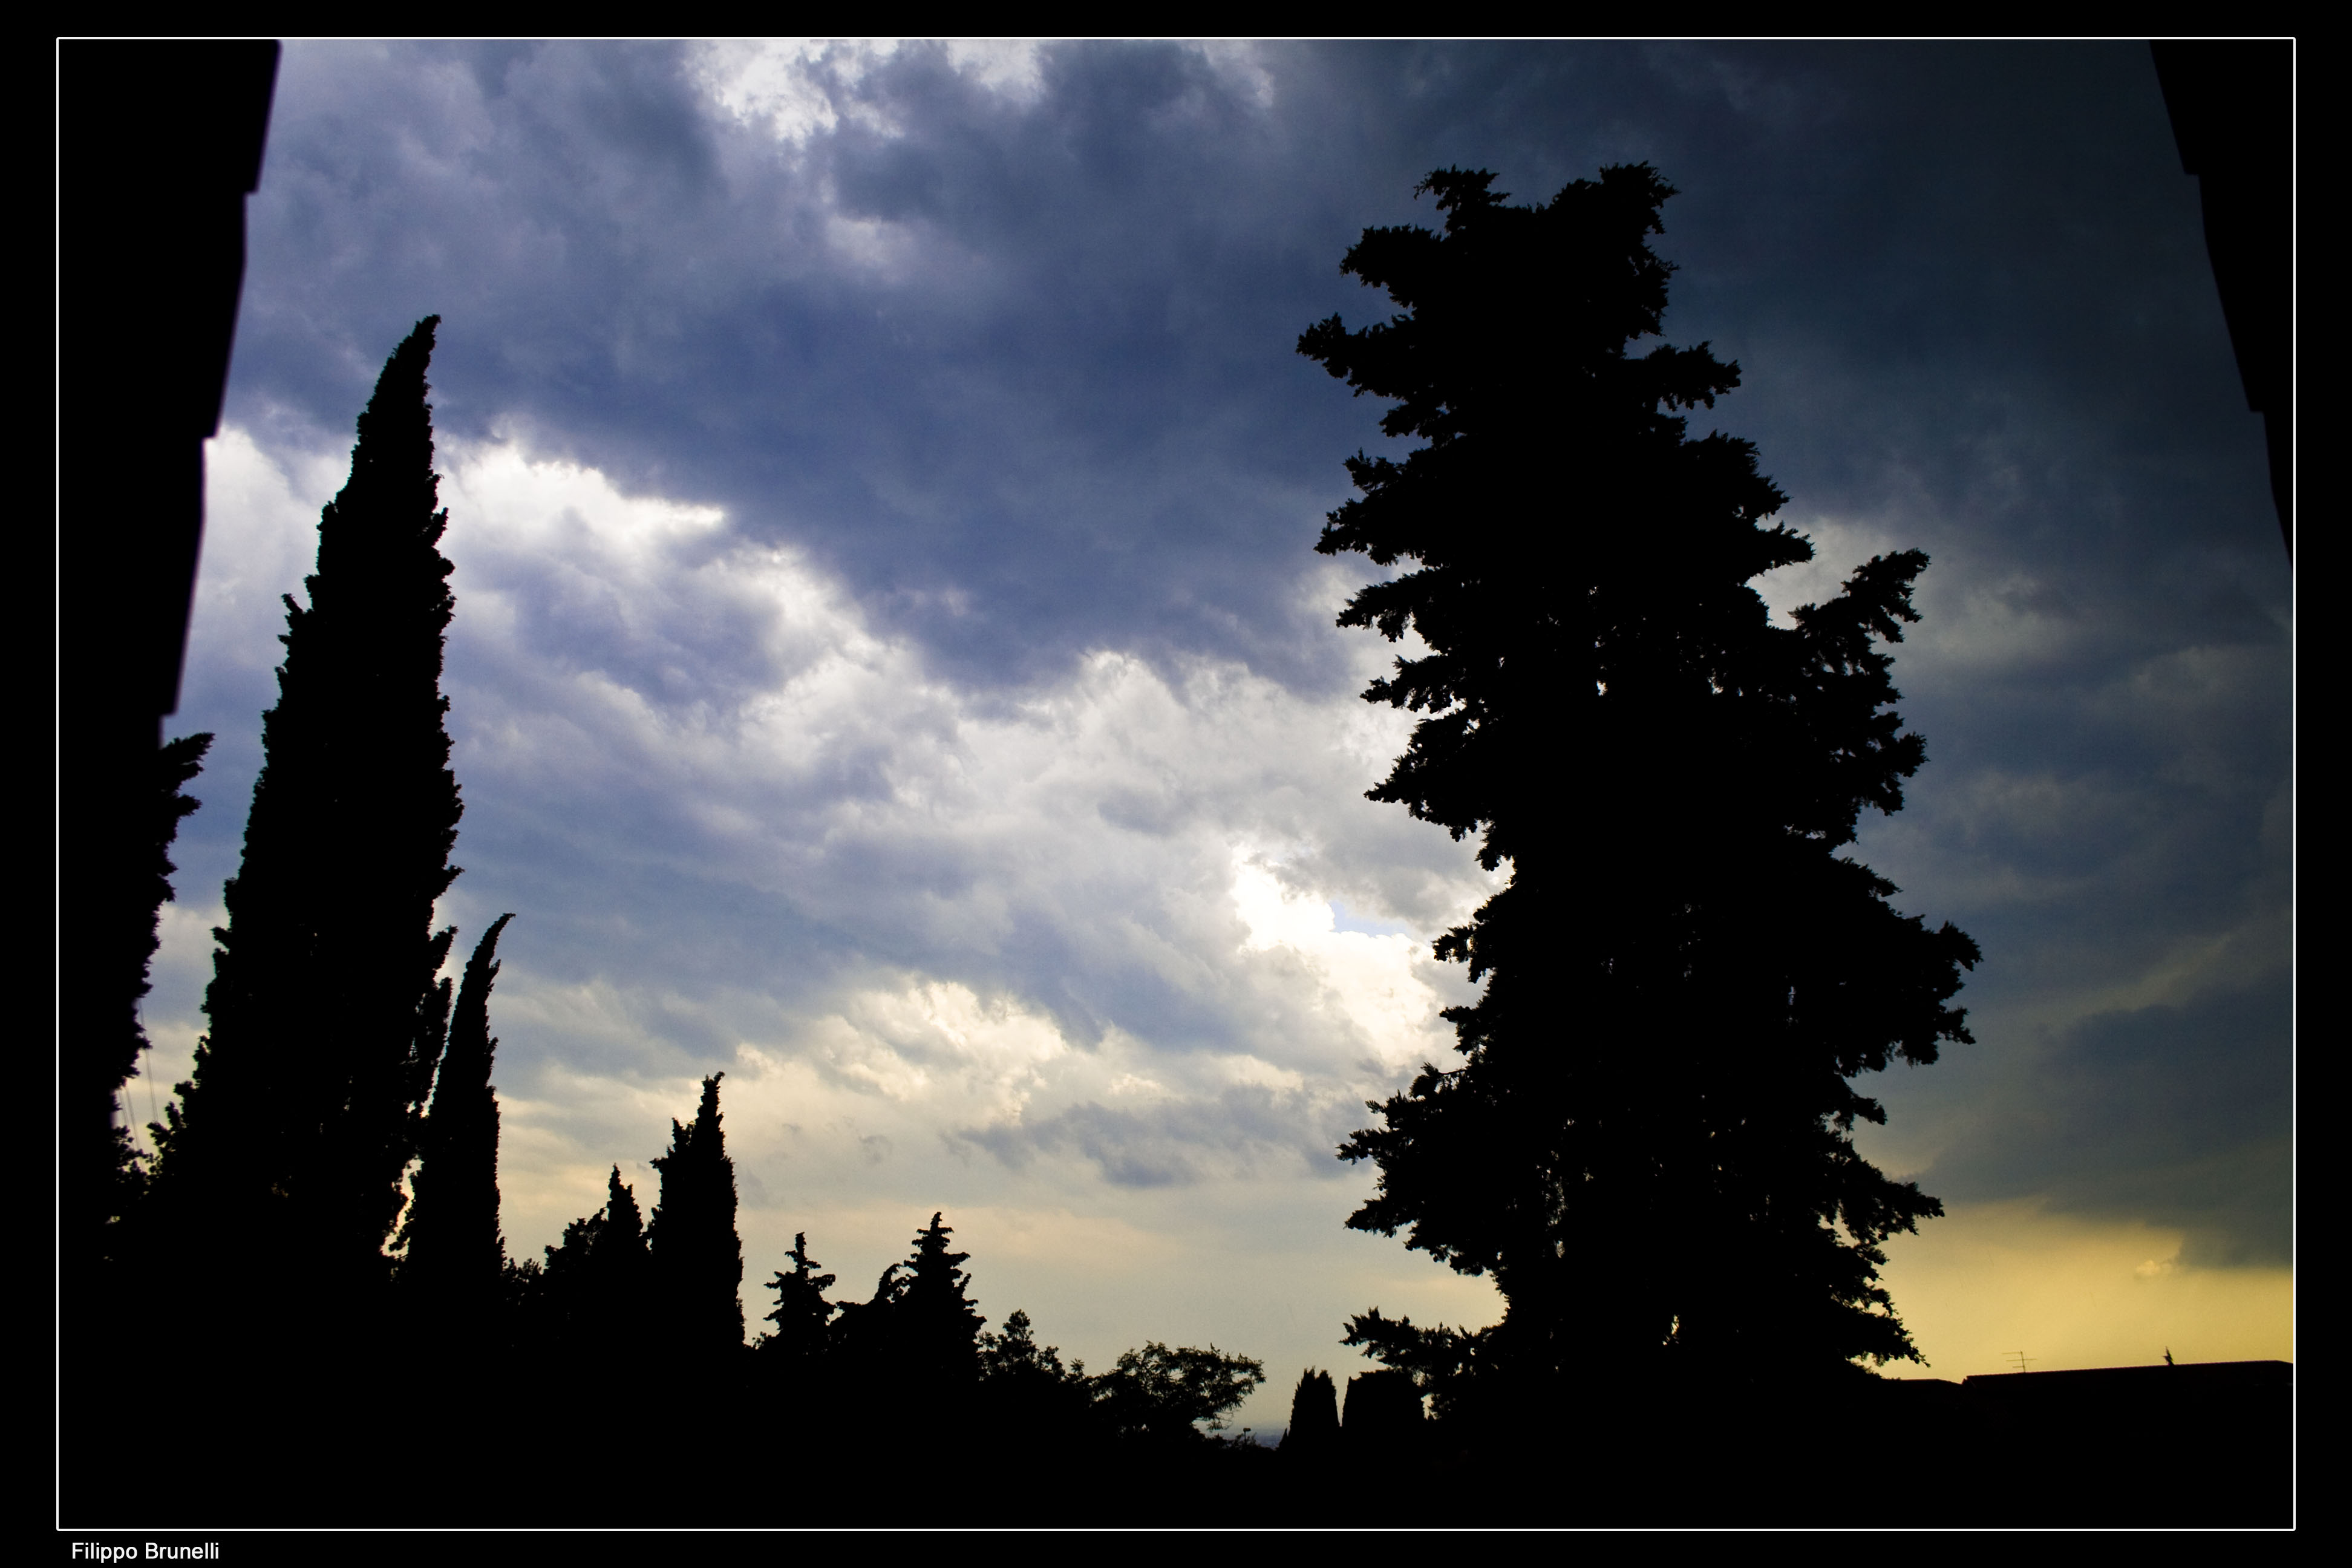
x=1648 y=1141
x=937 y=1326
x=802 y=1314
x=697 y=1258
x=326 y=1018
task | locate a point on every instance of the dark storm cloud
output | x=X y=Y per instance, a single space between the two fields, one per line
x=2174 y=1115
x=1010 y=373
x=1056 y=420
x=1076 y=415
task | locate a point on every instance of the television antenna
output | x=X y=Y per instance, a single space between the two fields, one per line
x=2022 y=1358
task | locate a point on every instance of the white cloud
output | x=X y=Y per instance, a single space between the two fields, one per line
x=1839 y=546
x=788 y=83
x=803 y=88
x=1369 y=980
x=262 y=536
x=1010 y=68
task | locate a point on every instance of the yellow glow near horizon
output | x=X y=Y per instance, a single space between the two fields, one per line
x=1990 y=1279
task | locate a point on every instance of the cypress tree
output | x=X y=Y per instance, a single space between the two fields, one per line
x=289 y=1143
x=618 y=1244
x=594 y=1287
x=454 y=1254
x=1383 y=1408
x=114 y=878
x=697 y=1258
x=1314 y=1428
x=126 y=883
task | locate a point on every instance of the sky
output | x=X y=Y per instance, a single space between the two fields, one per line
x=891 y=666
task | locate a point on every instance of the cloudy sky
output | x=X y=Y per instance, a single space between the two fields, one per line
x=891 y=665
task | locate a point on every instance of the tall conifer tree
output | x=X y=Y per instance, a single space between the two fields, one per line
x=454 y=1252
x=1648 y=1137
x=327 y=1021
x=112 y=929
x=596 y=1283
x=1314 y=1428
x=697 y=1258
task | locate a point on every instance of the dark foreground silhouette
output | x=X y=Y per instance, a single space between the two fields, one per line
x=2232 y=102
x=1644 y=1136
x=636 y=1440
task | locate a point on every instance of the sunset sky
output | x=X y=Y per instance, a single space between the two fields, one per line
x=891 y=665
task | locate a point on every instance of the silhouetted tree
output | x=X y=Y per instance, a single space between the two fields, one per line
x=1173 y=1396
x=1016 y=1355
x=1444 y=1363
x=1026 y=1389
x=936 y=1322
x=863 y=1337
x=1382 y=1408
x=802 y=1314
x=697 y=1258
x=595 y=1293
x=454 y=1255
x=102 y=1171
x=326 y=1018
x=1648 y=1139
x=1314 y=1427
x=158 y=143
